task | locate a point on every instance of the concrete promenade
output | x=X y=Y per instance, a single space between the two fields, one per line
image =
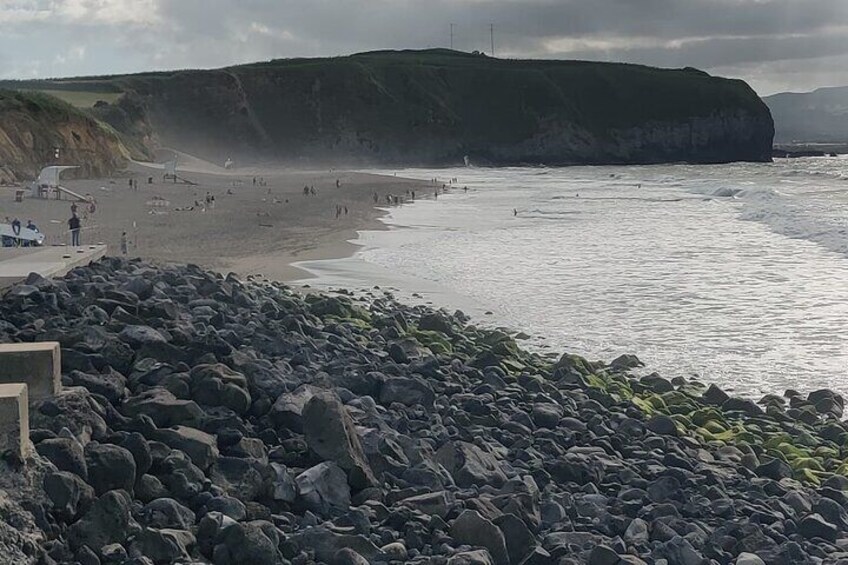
x=16 y=263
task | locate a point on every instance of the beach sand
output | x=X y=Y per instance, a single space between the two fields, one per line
x=253 y=229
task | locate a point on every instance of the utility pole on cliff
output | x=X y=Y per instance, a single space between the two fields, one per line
x=492 y=37
x=451 y=36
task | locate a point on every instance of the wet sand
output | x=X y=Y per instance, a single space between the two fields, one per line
x=252 y=229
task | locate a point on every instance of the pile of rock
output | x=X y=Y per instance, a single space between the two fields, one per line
x=208 y=420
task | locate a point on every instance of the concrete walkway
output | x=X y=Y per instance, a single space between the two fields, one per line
x=17 y=264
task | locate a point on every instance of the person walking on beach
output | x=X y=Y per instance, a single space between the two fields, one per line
x=124 y=243
x=74 y=226
x=413 y=196
x=338 y=183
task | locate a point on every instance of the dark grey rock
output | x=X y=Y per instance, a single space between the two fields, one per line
x=476 y=557
x=67 y=454
x=107 y=521
x=287 y=411
x=110 y=467
x=662 y=424
x=163 y=545
x=326 y=543
x=469 y=465
x=167 y=513
x=141 y=335
x=603 y=555
x=324 y=488
x=775 y=469
x=68 y=494
x=331 y=435
x=163 y=408
x=814 y=526
x=520 y=541
x=407 y=391
x=472 y=529
x=198 y=445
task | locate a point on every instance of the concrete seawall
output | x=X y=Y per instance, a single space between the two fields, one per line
x=48 y=262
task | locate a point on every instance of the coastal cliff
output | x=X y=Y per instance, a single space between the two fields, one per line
x=435 y=107
x=33 y=125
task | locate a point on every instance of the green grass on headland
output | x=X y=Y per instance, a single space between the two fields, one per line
x=81 y=98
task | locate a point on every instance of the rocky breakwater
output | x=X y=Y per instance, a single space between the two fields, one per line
x=208 y=420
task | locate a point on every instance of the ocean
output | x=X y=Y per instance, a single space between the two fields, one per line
x=736 y=274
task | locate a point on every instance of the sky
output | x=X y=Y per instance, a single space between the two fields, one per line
x=775 y=45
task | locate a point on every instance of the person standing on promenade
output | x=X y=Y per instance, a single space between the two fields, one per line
x=74 y=226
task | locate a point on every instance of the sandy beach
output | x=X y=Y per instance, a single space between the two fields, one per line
x=259 y=228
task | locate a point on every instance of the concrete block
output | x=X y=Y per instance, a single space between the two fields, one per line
x=38 y=365
x=14 y=420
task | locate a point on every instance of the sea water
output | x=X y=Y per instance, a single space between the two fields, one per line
x=737 y=274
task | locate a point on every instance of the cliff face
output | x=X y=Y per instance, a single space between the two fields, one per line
x=32 y=125
x=434 y=107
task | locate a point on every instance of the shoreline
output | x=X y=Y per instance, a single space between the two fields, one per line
x=253 y=229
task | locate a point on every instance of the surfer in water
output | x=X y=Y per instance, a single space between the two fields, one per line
x=515 y=211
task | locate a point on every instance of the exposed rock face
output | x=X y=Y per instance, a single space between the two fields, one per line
x=435 y=108
x=33 y=124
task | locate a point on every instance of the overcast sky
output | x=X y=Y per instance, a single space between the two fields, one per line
x=775 y=45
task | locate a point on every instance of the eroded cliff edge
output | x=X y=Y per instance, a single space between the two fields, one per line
x=34 y=125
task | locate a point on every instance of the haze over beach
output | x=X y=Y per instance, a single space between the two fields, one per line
x=450 y=283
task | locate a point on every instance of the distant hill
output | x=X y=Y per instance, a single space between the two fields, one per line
x=433 y=107
x=818 y=116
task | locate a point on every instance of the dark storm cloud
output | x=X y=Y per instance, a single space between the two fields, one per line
x=748 y=38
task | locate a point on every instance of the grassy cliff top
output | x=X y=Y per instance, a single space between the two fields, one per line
x=654 y=91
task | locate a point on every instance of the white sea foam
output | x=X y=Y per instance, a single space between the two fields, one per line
x=727 y=271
